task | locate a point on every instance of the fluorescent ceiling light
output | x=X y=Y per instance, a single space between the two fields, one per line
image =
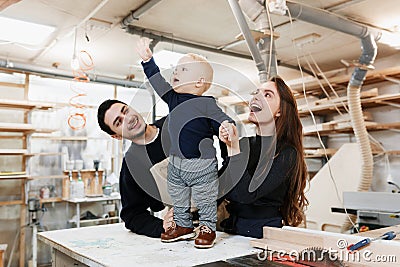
x=18 y=31
x=167 y=59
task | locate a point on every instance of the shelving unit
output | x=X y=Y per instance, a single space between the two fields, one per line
x=342 y=125
x=25 y=129
x=340 y=82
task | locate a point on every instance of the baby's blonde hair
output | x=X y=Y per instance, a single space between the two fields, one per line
x=203 y=60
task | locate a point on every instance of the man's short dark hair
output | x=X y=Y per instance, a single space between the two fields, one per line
x=101 y=112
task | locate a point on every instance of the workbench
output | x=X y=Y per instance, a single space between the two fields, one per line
x=114 y=245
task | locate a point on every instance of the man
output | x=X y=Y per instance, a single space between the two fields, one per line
x=137 y=186
x=150 y=146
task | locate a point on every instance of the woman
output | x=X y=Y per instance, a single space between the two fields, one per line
x=267 y=194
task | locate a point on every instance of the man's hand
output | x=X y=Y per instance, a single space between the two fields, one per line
x=168 y=219
x=143 y=49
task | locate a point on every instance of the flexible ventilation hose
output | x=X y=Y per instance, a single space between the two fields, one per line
x=369 y=51
x=360 y=131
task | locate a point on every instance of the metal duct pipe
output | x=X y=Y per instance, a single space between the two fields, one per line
x=264 y=46
x=161 y=38
x=6 y=64
x=134 y=15
x=244 y=28
x=329 y=20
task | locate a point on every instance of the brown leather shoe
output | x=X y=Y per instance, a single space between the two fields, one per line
x=176 y=233
x=206 y=238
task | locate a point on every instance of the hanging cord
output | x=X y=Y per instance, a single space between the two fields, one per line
x=318 y=134
x=77 y=118
x=271 y=29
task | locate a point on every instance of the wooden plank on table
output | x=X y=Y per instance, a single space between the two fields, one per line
x=289 y=239
x=381 y=231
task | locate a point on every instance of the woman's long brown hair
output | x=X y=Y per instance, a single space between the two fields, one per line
x=289 y=130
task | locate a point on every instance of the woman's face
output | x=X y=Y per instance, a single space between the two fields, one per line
x=265 y=104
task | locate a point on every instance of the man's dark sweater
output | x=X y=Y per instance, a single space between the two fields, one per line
x=136 y=199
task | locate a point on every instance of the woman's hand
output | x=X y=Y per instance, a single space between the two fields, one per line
x=143 y=49
x=228 y=134
x=168 y=219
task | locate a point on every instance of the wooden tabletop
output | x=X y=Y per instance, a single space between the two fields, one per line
x=113 y=245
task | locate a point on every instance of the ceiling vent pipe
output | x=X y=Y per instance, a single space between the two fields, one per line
x=34 y=69
x=256 y=12
x=368 y=37
x=21 y=67
x=135 y=15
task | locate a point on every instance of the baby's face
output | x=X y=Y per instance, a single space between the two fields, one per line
x=186 y=76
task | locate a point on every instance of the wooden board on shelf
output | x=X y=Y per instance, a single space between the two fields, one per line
x=50 y=200
x=44 y=154
x=13 y=175
x=13 y=151
x=370 y=127
x=36 y=177
x=319 y=127
x=22 y=104
x=22 y=127
x=320 y=152
x=11 y=202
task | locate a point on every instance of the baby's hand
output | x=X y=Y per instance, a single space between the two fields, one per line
x=143 y=48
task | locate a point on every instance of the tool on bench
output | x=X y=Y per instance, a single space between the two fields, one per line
x=386 y=236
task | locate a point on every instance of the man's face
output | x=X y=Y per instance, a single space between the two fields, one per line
x=125 y=122
x=187 y=76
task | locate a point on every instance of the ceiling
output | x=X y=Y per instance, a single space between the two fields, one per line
x=204 y=22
